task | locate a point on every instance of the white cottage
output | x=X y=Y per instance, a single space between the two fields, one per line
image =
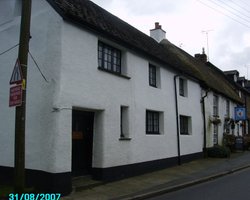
x=114 y=102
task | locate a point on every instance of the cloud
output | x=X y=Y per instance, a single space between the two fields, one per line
x=103 y=3
x=149 y=7
x=231 y=47
x=184 y=21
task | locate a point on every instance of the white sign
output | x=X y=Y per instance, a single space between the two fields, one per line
x=16 y=77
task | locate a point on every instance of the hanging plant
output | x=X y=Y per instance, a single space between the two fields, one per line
x=215 y=120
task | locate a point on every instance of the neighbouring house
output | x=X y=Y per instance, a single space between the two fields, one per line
x=114 y=102
x=242 y=87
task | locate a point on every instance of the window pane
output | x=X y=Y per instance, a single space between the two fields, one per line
x=152 y=75
x=181 y=87
x=228 y=109
x=184 y=125
x=152 y=123
x=109 y=58
x=215 y=105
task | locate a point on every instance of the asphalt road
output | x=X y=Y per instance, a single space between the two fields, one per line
x=231 y=187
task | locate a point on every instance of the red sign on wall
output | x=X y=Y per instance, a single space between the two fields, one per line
x=15 y=96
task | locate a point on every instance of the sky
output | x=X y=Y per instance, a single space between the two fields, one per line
x=222 y=27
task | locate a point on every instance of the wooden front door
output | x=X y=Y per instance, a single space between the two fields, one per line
x=82 y=142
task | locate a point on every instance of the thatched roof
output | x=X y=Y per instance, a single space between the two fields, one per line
x=86 y=14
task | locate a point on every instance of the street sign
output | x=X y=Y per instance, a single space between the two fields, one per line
x=16 y=77
x=240 y=113
x=15 y=96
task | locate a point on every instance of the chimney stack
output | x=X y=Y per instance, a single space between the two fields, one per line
x=157 y=33
x=202 y=57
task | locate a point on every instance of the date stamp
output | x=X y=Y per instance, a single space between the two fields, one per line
x=33 y=196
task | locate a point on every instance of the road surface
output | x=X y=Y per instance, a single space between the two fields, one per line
x=231 y=187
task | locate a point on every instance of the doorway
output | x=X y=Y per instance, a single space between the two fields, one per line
x=82 y=142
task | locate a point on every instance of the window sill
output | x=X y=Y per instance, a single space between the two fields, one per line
x=114 y=73
x=185 y=134
x=154 y=86
x=150 y=133
x=125 y=139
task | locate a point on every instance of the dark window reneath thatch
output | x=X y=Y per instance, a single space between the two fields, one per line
x=109 y=58
x=152 y=75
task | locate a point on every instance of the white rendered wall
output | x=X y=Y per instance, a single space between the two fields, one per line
x=84 y=86
x=40 y=121
x=191 y=106
x=222 y=115
x=67 y=56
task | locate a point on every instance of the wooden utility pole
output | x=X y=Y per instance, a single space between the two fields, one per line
x=19 y=169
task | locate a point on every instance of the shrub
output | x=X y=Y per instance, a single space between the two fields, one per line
x=218 y=152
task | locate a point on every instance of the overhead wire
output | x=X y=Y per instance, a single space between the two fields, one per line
x=38 y=67
x=223 y=13
x=247 y=4
x=9 y=49
x=234 y=9
x=240 y=6
x=228 y=10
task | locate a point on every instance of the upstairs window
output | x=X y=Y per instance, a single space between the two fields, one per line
x=152 y=75
x=109 y=58
x=216 y=105
x=183 y=87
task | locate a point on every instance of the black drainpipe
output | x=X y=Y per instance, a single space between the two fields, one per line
x=204 y=123
x=177 y=121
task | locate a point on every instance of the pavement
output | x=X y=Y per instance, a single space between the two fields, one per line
x=159 y=182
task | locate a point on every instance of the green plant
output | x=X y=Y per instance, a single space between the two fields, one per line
x=218 y=152
x=229 y=141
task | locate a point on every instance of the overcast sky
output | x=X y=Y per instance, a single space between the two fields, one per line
x=186 y=22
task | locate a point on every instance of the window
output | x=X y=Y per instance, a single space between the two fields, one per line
x=109 y=58
x=124 y=122
x=152 y=122
x=183 y=87
x=228 y=108
x=185 y=125
x=216 y=106
x=152 y=75
x=216 y=130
